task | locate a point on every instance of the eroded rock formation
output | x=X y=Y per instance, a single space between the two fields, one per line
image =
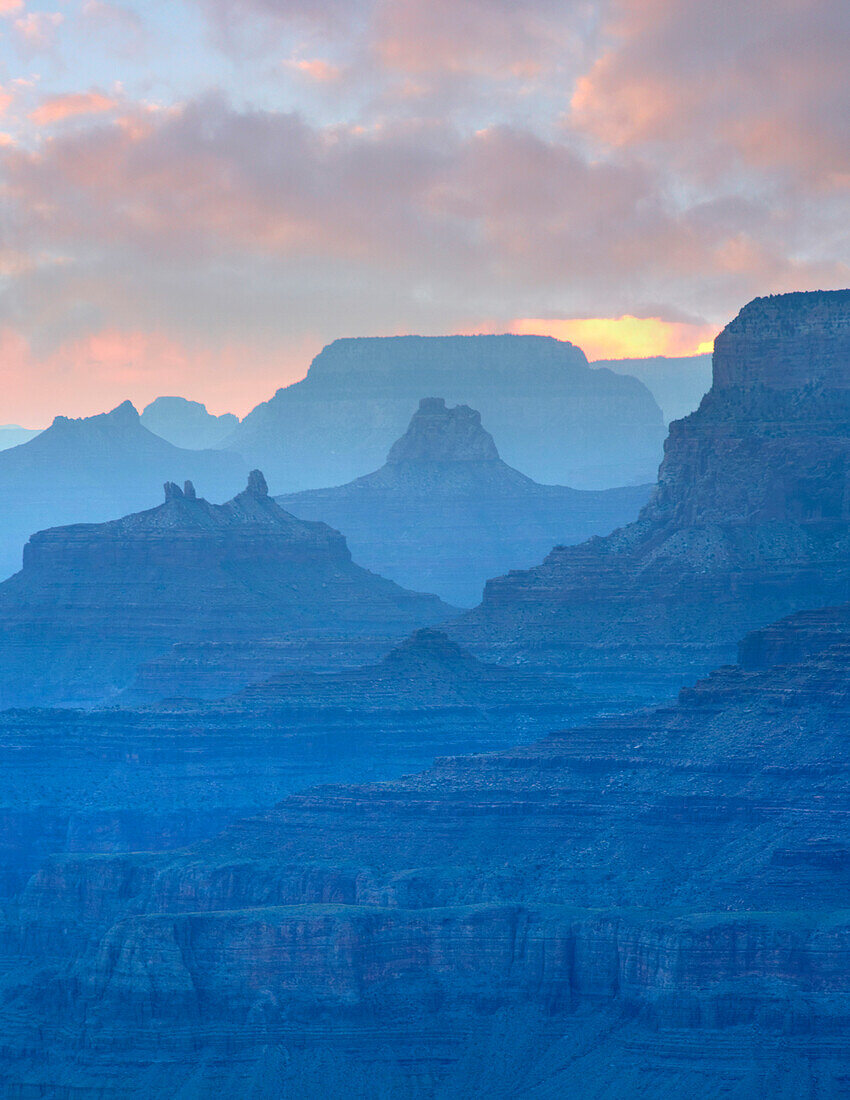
x=444 y=513
x=95 y=601
x=96 y=469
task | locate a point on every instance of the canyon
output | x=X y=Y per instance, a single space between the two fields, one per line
x=649 y=905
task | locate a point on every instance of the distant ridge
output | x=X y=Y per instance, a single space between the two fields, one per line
x=444 y=513
x=187 y=423
x=677 y=384
x=94 y=469
x=554 y=417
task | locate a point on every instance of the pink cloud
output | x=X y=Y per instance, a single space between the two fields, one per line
x=761 y=83
x=323 y=72
x=497 y=38
x=96 y=372
x=9 y=7
x=37 y=29
x=60 y=107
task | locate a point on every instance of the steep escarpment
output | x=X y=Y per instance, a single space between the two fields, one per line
x=553 y=417
x=444 y=513
x=94 y=601
x=631 y=908
x=95 y=469
x=749 y=521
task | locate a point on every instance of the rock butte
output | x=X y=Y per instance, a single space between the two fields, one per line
x=93 y=470
x=444 y=512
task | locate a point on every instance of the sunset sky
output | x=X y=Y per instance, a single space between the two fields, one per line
x=198 y=194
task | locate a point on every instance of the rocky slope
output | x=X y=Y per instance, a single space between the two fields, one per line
x=749 y=521
x=677 y=384
x=123 y=780
x=94 y=601
x=444 y=513
x=651 y=906
x=553 y=417
x=187 y=423
x=95 y=469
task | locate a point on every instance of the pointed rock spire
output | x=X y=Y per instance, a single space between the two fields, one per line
x=189 y=491
x=172 y=491
x=257 y=486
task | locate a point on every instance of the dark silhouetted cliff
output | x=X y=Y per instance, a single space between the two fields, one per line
x=749 y=521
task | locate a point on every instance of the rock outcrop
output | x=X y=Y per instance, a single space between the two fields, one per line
x=93 y=470
x=552 y=416
x=650 y=906
x=187 y=423
x=445 y=513
x=750 y=520
x=95 y=601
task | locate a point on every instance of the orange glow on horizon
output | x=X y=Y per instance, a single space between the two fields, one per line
x=624 y=337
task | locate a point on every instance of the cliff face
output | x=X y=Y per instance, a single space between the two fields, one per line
x=552 y=416
x=445 y=513
x=94 y=470
x=749 y=521
x=94 y=601
x=633 y=908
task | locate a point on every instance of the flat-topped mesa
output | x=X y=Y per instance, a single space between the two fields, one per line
x=440 y=434
x=552 y=415
x=787 y=342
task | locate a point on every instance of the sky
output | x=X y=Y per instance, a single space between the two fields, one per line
x=197 y=195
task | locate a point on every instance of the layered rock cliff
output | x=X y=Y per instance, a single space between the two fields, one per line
x=444 y=513
x=122 y=780
x=553 y=417
x=96 y=469
x=650 y=906
x=749 y=520
x=94 y=601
